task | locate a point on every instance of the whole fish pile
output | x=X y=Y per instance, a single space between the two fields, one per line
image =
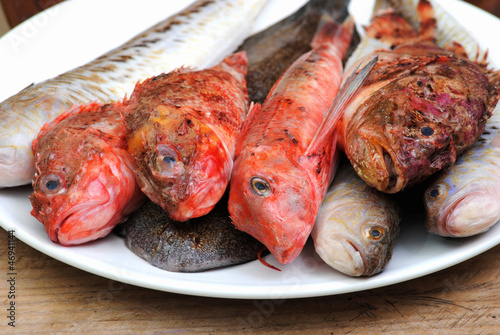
x=238 y=152
x=200 y=36
x=420 y=108
x=277 y=185
x=199 y=244
x=357 y=226
x=464 y=200
x=84 y=183
x=182 y=129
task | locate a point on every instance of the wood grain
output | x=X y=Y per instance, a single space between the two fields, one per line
x=54 y=298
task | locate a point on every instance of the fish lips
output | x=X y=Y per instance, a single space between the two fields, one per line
x=68 y=217
x=375 y=162
x=452 y=213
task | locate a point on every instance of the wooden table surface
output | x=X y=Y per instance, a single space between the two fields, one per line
x=54 y=298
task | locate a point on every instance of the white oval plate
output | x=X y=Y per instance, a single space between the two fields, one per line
x=64 y=37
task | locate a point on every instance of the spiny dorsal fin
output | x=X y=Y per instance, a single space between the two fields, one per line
x=344 y=96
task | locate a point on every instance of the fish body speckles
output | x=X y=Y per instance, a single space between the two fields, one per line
x=201 y=244
x=420 y=108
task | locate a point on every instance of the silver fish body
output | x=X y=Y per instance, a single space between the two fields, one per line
x=357 y=226
x=464 y=200
x=199 y=36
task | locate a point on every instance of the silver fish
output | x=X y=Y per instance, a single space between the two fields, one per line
x=464 y=200
x=203 y=243
x=357 y=226
x=199 y=36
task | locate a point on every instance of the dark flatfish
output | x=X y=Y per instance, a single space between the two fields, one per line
x=199 y=244
x=273 y=50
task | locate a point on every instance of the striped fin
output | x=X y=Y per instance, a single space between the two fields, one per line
x=348 y=90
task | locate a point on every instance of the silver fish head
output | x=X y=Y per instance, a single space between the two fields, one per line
x=463 y=203
x=357 y=242
x=357 y=226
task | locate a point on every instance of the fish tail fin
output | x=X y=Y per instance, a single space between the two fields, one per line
x=238 y=62
x=348 y=90
x=331 y=32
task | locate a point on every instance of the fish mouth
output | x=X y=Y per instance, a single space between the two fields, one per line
x=388 y=178
x=82 y=222
x=345 y=256
x=470 y=214
x=390 y=168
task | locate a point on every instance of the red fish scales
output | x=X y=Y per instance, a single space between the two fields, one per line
x=182 y=129
x=84 y=185
x=276 y=189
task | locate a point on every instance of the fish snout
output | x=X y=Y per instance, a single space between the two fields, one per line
x=375 y=162
x=343 y=255
x=472 y=214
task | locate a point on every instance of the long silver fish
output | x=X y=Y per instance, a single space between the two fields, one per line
x=199 y=36
x=464 y=200
x=357 y=226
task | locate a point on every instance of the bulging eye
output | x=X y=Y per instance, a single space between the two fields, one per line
x=51 y=184
x=260 y=186
x=427 y=131
x=375 y=234
x=437 y=192
x=168 y=161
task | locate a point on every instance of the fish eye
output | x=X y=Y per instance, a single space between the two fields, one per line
x=375 y=234
x=168 y=161
x=196 y=240
x=427 y=131
x=260 y=186
x=437 y=192
x=51 y=184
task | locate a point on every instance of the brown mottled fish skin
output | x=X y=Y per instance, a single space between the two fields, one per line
x=273 y=50
x=200 y=244
x=420 y=107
